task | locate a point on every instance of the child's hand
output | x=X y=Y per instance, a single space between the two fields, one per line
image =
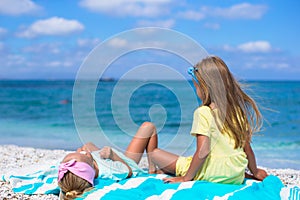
x=106 y=153
x=88 y=147
x=82 y=149
x=260 y=174
x=79 y=150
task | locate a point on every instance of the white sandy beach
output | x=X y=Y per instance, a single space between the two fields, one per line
x=14 y=158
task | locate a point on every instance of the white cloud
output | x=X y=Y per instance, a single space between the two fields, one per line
x=3 y=31
x=13 y=59
x=88 y=42
x=118 y=42
x=267 y=63
x=227 y=47
x=158 y=23
x=257 y=46
x=251 y=47
x=51 y=26
x=137 y=8
x=192 y=15
x=59 y=64
x=282 y=65
x=214 y=26
x=52 y=48
x=1 y=46
x=238 y=11
x=18 y=7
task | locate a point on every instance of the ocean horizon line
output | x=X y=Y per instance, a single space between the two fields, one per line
x=144 y=80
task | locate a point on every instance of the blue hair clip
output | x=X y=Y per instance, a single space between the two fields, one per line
x=191 y=72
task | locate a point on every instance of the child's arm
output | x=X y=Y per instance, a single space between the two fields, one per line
x=108 y=153
x=259 y=174
x=203 y=149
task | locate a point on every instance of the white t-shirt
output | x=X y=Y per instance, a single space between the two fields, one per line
x=115 y=170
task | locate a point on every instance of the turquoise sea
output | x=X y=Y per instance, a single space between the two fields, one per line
x=40 y=114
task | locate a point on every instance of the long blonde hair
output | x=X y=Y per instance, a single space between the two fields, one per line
x=73 y=186
x=238 y=114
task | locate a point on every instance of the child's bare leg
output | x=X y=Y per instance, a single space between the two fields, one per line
x=144 y=139
x=165 y=161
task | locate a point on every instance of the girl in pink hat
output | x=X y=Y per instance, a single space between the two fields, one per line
x=78 y=170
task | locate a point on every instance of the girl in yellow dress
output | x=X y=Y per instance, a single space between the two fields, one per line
x=223 y=126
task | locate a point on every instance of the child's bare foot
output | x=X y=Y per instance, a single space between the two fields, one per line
x=151 y=172
x=158 y=171
x=155 y=171
x=152 y=169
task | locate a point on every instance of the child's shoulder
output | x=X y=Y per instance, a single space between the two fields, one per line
x=204 y=110
x=203 y=113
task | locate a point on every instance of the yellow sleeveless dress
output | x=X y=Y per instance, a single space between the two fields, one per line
x=224 y=164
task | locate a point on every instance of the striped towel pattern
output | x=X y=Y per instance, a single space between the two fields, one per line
x=30 y=181
x=151 y=187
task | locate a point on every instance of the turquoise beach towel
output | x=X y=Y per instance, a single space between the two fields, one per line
x=31 y=181
x=152 y=187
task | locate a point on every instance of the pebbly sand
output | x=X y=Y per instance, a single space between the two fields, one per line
x=14 y=157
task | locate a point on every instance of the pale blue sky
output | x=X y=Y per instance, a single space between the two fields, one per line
x=49 y=39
